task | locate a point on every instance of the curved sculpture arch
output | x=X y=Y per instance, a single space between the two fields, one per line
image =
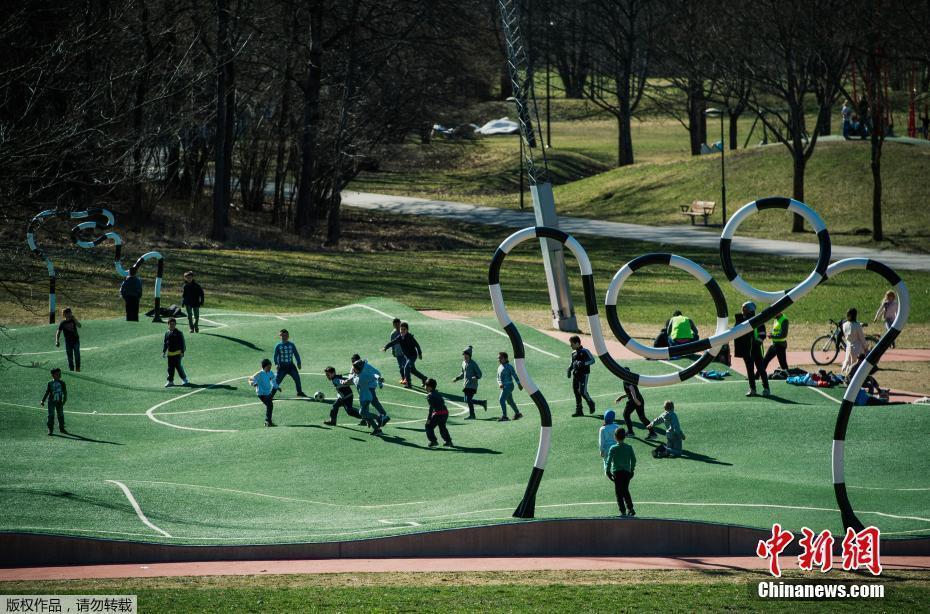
x=76 y=233
x=710 y=346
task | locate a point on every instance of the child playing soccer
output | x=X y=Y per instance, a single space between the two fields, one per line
x=69 y=327
x=673 y=433
x=173 y=348
x=578 y=371
x=471 y=373
x=285 y=356
x=437 y=416
x=634 y=402
x=398 y=352
x=506 y=376
x=366 y=378
x=412 y=352
x=344 y=396
x=266 y=385
x=619 y=466
x=56 y=393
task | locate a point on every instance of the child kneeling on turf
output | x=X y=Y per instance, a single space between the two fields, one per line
x=673 y=433
x=437 y=416
x=266 y=385
x=619 y=466
x=344 y=396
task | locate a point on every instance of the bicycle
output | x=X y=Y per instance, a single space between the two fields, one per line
x=825 y=348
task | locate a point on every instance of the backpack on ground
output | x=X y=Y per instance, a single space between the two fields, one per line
x=661 y=451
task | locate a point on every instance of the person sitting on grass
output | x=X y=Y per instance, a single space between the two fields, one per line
x=680 y=329
x=469 y=377
x=620 y=466
x=69 y=326
x=344 y=396
x=673 y=433
x=605 y=435
x=506 y=376
x=437 y=416
x=173 y=348
x=56 y=393
x=266 y=385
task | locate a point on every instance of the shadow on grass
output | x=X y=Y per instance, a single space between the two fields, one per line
x=76 y=437
x=247 y=344
x=306 y=426
x=689 y=455
x=409 y=444
x=213 y=386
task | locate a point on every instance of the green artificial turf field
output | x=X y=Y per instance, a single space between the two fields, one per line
x=203 y=469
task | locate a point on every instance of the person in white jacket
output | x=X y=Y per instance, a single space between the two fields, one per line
x=605 y=437
x=856 y=343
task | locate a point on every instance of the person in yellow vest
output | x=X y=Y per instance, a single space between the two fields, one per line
x=680 y=329
x=779 y=347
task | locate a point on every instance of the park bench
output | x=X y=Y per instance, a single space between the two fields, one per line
x=703 y=208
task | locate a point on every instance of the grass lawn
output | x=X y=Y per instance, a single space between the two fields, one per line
x=838 y=179
x=547 y=591
x=204 y=469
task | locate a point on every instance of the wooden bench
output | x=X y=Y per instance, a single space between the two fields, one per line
x=699 y=208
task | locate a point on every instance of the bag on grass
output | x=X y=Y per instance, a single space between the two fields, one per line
x=660 y=452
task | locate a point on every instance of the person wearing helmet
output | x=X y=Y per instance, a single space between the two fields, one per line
x=749 y=348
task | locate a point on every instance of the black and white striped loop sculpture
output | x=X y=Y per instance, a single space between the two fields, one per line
x=709 y=347
x=37 y=251
x=76 y=234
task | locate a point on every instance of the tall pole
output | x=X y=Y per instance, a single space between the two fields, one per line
x=723 y=172
x=521 y=171
x=537 y=171
x=548 y=85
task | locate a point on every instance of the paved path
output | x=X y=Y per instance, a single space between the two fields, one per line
x=355 y=566
x=670 y=235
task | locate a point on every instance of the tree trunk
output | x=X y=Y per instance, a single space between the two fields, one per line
x=824 y=120
x=305 y=219
x=506 y=83
x=220 y=184
x=697 y=121
x=800 y=165
x=624 y=122
x=334 y=222
x=280 y=170
x=877 y=233
x=734 y=126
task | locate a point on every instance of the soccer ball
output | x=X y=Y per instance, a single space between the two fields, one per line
x=318 y=395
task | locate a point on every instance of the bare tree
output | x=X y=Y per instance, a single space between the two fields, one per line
x=621 y=34
x=787 y=70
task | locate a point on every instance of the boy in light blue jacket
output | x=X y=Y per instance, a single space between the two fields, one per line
x=506 y=378
x=673 y=433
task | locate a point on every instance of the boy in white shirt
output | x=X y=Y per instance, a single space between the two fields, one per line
x=266 y=385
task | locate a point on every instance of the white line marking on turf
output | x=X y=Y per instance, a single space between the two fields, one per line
x=151 y=411
x=822 y=393
x=15 y=354
x=135 y=506
x=276 y=497
x=78 y=413
x=409 y=523
x=218 y=324
x=501 y=333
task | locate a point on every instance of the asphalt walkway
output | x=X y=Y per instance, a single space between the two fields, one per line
x=668 y=235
